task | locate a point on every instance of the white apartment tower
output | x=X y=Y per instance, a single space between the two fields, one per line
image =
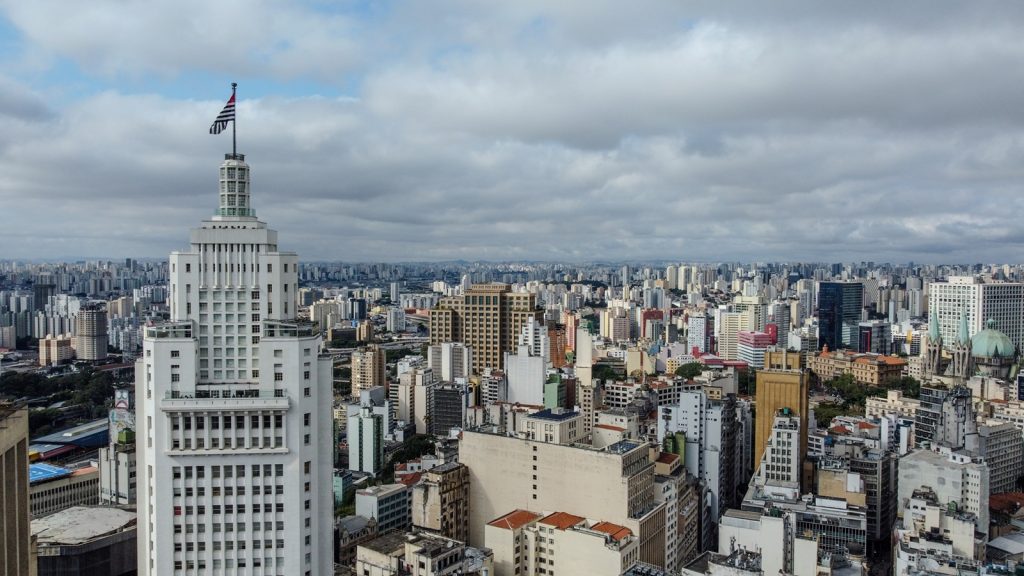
x=234 y=409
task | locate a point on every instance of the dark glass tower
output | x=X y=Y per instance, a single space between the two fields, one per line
x=839 y=306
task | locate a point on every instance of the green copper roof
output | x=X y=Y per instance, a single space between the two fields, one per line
x=991 y=343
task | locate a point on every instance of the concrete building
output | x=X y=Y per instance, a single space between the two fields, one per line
x=349 y=533
x=526 y=543
x=778 y=389
x=91 y=337
x=697 y=333
x=552 y=425
x=449 y=404
x=526 y=375
x=727 y=330
x=233 y=387
x=488 y=318
x=933 y=537
x=616 y=482
x=52 y=488
x=752 y=346
x=90 y=541
x=440 y=501
x=405 y=397
x=421 y=554
x=15 y=534
x=368 y=368
x=892 y=403
x=979 y=300
x=388 y=504
x=367 y=425
x=56 y=350
x=954 y=478
x=450 y=361
x=117 y=460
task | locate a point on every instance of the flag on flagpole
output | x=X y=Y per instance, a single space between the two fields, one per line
x=226 y=115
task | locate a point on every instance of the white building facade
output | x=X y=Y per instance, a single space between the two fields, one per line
x=234 y=409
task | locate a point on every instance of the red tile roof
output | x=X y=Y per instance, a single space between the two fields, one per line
x=609 y=427
x=514 y=520
x=667 y=457
x=614 y=530
x=562 y=520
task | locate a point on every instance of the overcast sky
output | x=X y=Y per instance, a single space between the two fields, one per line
x=568 y=130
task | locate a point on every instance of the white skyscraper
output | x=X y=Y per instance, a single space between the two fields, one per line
x=234 y=409
x=981 y=301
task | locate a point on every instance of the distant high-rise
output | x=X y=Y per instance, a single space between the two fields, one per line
x=981 y=301
x=839 y=310
x=91 y=337
x=233 y=400
x=15 y=531
x=368 y=368
x=488 y=318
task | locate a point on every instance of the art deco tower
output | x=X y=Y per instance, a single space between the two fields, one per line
x=234 y=409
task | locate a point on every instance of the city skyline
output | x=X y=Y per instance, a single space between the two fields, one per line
x=549 y=133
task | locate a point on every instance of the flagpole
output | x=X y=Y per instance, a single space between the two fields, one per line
x=234 y=123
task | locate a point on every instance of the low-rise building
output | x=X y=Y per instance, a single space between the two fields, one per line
x=421 y=554
x=866 y=368
x=87 y=540
x=349 y=533
x=53 y=488
x=526 y=543
x=388 y=504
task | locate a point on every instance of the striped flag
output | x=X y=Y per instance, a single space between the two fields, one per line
x=226 y=115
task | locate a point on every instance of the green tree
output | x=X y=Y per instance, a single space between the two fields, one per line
x=690 y=370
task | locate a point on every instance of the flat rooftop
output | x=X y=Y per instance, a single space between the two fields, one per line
x=558 y=416
x=45 y=472
x=81 y=524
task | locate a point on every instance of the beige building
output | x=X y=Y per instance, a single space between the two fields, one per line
x=488 y=318
x=893 y=403
x=54 y=350
x=15 y=529
x=868 y=369
x=778 y=389
x=554 y=425
x=91 y=333
x=730 y=326
x=368 y=368
x=615 y=484
x=782 y=359
x=440 y=501
x=528 y=544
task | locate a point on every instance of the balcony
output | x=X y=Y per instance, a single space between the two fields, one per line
x=175 y=401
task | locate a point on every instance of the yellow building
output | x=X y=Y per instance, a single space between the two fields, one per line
x=778 y=389
x=868 y=369
x=487 y=318
x=54 y=350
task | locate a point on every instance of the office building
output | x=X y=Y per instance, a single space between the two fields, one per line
x=778 y=389
x=875 y=336
x=365 y=434
x=440 y=501
x=14 y=486
x=727 y=330
x=509 y=473
x=91 y=337
x=368 y=368
x=697 y=333
x=54 y=488
x=980 y=301
x=839 y=314
x=449 y=403
x=953 y=477
x=488 y=318
x=450 y=361
x=388 y=504
x=751 y=347
x=232 y=391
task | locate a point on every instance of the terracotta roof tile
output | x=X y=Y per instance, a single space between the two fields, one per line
x=614 y=530
x=515 y=519
x=562 y=520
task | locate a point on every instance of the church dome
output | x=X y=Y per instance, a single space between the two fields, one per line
x=991 y=343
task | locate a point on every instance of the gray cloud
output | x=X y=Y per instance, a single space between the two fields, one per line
x=538 y=130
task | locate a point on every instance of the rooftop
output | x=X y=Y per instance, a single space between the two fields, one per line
x=562 y=520
x=614 y=530
x=515 y=519
x=81 y=524
x=43 y=472
x=555 y=414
